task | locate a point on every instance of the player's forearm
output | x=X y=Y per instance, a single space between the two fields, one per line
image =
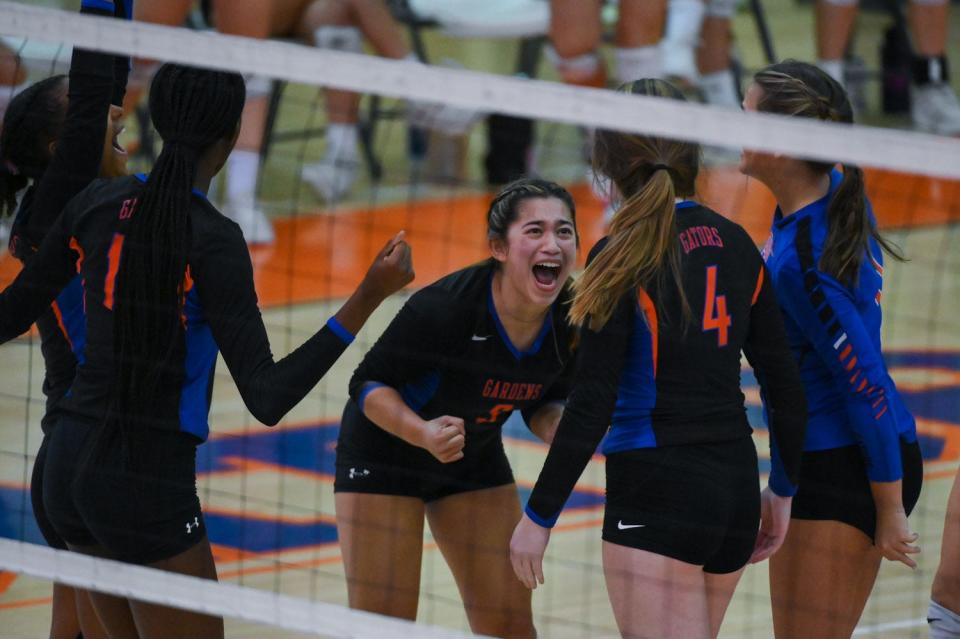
x=385 y=407
x=544 y=422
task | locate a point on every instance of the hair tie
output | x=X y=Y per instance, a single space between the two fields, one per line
x=657 y=167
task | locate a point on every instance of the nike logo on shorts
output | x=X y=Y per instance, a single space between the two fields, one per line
x=480 y=338
x=623 y=526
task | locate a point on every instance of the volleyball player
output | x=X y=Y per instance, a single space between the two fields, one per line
x=167 y=282
x=421 y=432
x=862 y=468
x=666 y=304
x=58 y=135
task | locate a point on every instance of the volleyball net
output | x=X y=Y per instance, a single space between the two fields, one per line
x=268 y=493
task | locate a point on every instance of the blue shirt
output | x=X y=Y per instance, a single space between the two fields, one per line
x=834 y=333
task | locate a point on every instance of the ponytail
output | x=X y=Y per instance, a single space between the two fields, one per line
x=642 y=240
x=191 y=109
x=850 y=229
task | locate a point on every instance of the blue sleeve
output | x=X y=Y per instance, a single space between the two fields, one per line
x=827 y=314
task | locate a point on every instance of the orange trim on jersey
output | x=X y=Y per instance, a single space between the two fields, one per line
x=855 y=376
x=863 y=383
x=63 y=329
x=880 y=414
x=876 y=266
x=756 y=291
x=877 y=403
x=650 y=313
x=852 y=363
x=846 y=352
x=75 y=246
x=116 y=249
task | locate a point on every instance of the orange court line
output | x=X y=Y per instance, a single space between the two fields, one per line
x=319 y=257
x=26 y=603
x=6 y=580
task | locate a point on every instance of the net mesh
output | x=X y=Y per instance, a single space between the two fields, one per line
x=267 y=493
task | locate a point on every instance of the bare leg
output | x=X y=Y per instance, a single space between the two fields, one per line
x=12 y=71
x=473 y=532
x=946 y=583
x=113 y=612
x=155 y=622
x=834 y=26
x=719 y=593
x=929 y=23
x=381 y=539
x=641 y=23
x=655 y=596
x=575 y=32
x=714 y=52
x=820 y=580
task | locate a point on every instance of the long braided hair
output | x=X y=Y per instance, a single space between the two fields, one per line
x=192 y=109
x=802 y=89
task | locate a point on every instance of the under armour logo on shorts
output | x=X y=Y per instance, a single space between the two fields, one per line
x=354 y=473
x=195 y=524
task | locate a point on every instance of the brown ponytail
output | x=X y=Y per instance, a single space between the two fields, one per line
x=804 y=90
x=649 y=173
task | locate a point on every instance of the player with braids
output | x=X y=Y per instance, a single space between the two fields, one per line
x=862 y=469
x=420 y=436
x=167 y=282
x=58 y=135
x=666 y=305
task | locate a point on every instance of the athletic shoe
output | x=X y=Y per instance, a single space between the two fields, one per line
x=935 y=108
x=331 y=179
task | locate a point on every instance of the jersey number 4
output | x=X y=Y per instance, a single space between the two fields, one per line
x=715 y=316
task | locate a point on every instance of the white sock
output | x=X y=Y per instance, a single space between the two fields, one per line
x=341 y=143
x=834 y=69
x=943 y=622
x=242 y=169
x=684 y=18
x=638 y=63
x=719 y=88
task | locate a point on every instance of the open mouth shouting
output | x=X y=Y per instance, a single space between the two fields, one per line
x=547 y=275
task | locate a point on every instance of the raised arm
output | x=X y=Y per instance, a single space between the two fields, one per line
x=271 y=388
x=96 y=80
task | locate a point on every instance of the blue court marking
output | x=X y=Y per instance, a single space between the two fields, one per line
x=266 y=535
x=16 y=516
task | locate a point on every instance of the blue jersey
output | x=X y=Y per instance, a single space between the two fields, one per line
x=834 y=333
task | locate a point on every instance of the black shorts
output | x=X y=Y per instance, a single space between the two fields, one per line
x=138 y=517
x=834 y=486
x=36 y=498
x=697 y=503
x=371 y=460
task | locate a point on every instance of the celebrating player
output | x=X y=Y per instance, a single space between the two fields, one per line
x=862 y=468
x=167 y=281
x=421 y=433
x=667 y=302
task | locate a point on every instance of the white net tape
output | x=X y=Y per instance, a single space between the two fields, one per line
x=866 y=146
x=201 y=595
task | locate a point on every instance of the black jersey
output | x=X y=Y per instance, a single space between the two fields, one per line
x=658 y=379
x=96 y=80
x=220 y=311
x=447 y=353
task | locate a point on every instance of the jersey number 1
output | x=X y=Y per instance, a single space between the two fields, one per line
x=715 y=316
